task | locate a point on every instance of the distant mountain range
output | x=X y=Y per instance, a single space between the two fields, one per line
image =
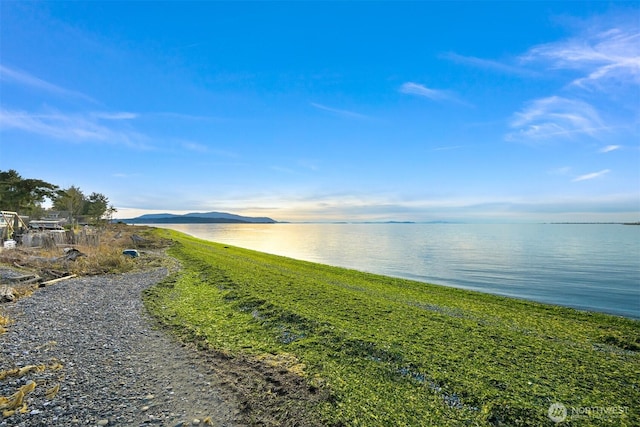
x=197 y=218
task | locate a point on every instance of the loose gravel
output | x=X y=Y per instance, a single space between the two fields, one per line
x=93 y=338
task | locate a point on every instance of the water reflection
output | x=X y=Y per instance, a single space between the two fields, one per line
x=595 y=267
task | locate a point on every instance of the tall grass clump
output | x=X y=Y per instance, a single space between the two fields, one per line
x=101 y=260
x=389 y=351
x=4 y=321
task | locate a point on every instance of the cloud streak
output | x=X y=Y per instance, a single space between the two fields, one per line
x=115 y=116
x=194 y=146
x=589 y=176
x=449 y=147
x=341 y=113
x=563 y=170
x=182 y=116
x=421 y=90
x=610 y=148
x=411 y=88
x=488 y=64
x=25 y=79
x=71 y=127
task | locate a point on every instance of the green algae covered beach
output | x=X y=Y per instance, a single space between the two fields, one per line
x=342 y=347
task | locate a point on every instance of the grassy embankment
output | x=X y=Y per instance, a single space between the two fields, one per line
x=397 y=352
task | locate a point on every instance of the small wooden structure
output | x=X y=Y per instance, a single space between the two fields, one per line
x=10 y=222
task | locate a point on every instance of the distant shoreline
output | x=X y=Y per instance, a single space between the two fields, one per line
x=182 y=220
x=200 y=220
x=594 y=223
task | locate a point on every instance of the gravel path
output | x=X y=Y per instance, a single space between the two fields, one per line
x=113 y=367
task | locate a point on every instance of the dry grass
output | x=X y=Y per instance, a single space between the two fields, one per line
x=23 y=291
x=104 y=257
x=4 y=321
x=100 y=260
x=101 y=254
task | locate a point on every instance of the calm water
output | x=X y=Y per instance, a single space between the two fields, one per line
x=592 y=267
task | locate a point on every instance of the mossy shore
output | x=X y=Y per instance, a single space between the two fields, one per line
x=381 y=351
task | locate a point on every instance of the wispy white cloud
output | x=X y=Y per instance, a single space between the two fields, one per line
x=449 y=147
x=610 y=148
x=204 y=148
x=26 y=79
x=555 y=117
x=411 y=88
x=605 y=52
x=489 y=64
x=96 y=126
x=592 y=175
x=342 y=113
x=123 y=115
x=71 y=127
x=194 y=146
x=421 y=90
x=605 y=55
x=182 y=116
x=301 y=166
x=563 y=170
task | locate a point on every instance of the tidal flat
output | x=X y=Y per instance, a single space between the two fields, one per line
x=375 y=350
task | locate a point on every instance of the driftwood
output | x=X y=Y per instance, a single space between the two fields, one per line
x=54 y=273
x=7 y=294
x=21 y=278
x=137 y=240
x=70 y=254
x=59 y=279
x=35 y=279
x=26 y=279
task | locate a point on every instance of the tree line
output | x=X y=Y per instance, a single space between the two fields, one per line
x=26 y=196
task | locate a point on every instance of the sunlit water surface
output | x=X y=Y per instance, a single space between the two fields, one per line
x=592 y=267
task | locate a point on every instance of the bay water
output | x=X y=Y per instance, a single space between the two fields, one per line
x=593 y=267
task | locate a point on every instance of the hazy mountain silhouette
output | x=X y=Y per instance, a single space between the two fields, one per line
x=197 y=218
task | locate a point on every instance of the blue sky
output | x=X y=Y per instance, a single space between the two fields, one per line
x=475 y=111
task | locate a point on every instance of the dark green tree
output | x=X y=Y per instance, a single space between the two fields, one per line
x=96 y=207
x=110 y=212
x=71 y=200
x=24 y=196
